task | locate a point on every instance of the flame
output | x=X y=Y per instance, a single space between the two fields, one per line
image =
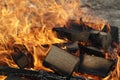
x=30 y=22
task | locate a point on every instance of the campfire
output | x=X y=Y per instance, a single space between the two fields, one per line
x=56 y=40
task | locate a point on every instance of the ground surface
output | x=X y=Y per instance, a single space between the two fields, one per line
x=107 y=9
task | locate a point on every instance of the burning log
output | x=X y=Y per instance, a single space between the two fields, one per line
x=100 y=39
x=61 y=61
x=114 y=33
x=13 y=77
x=72 y=35
x=97 y=38
x=95 y=65
x=22 y=57
x=33 y=74
x=91 y=51
x=70 y=47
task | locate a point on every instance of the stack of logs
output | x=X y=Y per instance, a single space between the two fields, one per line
x=85 y=53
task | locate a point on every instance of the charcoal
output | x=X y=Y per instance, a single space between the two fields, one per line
x=61 y=61
x=4 y=70
x=73 y=47
x=22 y=57
x=95 y=65
x=100 y=39
x=36 y=75
x=81 y=26
x=13 y=77
x=70 y=47
x=114 y=33
x=91 y=51
x=72 y=35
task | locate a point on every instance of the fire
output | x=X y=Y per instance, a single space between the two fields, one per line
x=30 y=22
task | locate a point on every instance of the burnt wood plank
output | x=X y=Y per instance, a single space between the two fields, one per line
x=91 y=51
x=13 y=77
x=36 y=75
x=114 y=31
x=100 y=39
x=70 y=47
x=22 y=57
x=61 y=61
x=72 y=35
x=4 y=70
x=95 y=65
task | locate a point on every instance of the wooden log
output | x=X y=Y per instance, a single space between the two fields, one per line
x=100 y=39
x=35 y=75
x=91 y=51
x=72 y=35
x=70 y=47
x=79 y=26
x=60 y=61
x=73 y=47
x=95 y=65
x=22 y=57
x=114 y=33
x=13 y=77
x=4 y=70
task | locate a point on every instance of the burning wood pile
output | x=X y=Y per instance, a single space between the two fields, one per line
x=56 y=40
x=85 y=52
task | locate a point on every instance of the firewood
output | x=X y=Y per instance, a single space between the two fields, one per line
x=114 y=31
x=36 y=75
x=61 y=61
x=70 y=47
x=4 y=70
x=95 y=65
x=72 y=35
x=100 y=39
x=13 y=77
x=91 y=51
x=115 y=34
x=22 y=57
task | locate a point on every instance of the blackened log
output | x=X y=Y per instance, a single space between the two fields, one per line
x=72 y=35
x=70 y=47
x=100 y=39
x=61 y=61
x=114 y=31
x=78 y=26
x=13 y=77
x=19 y=72
x=36 y=75
x=91 y=51
x=115 y=34
x=22 y=57
x=95 y=65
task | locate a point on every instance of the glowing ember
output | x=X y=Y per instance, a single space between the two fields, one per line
x=29 y=22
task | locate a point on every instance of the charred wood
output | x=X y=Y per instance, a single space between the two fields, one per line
x=70 y=47
x=91 y=51
x=71 y=35
x=114 y=31
x=100 y=39
x=78 y=26
x=61 y=61
x=95 y=65
x=35 y=75
x=13 y=77
x=22 y=57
